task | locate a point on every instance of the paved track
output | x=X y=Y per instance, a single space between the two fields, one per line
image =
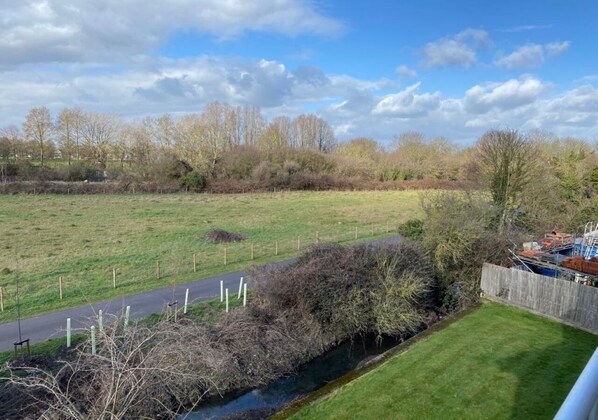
x=53 y=324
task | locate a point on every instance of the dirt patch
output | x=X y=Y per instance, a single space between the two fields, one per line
x=219 y=236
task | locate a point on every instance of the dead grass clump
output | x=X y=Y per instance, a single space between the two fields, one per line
x=220 y=236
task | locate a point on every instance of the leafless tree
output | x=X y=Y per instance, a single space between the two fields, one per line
x=69 y=124
x=253 y=124
x=100 y=132
x=11 y=141
x=506 y=161
x=38 y=127
x=313 y=132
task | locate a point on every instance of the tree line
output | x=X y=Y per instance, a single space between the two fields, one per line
x=199 y=139
x=226 y=144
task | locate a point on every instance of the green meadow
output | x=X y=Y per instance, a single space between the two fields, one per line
x=83 y=238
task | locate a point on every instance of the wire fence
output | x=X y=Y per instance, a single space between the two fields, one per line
x=37 y=291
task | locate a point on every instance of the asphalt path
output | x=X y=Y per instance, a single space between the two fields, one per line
x=53 y=324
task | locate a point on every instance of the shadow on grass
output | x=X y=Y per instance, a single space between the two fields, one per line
x=546 y=374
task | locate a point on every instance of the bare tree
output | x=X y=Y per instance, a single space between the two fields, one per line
x=38 y=127
x=313 y=132
x=253 y=124
x=100 y=132
x=506 y=161
x=69 y=126
x=163 y=132
x=277 y=135
x=145 y=137
x=12 y=143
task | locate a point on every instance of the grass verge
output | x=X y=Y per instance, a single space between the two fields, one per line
x=205 y=313
x=498 y=362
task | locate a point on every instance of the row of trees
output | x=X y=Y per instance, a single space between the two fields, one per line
x=237 y=143
x=199 y=139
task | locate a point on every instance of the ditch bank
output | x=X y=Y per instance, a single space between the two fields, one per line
x=368 y=364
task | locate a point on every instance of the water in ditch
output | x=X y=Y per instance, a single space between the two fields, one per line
x=308 y=378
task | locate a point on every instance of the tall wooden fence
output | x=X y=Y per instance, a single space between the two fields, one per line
x=573 y=303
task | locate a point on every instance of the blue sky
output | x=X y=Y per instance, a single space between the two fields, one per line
x=452 y=69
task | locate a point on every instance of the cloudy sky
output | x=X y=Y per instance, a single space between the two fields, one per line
x=371 y=68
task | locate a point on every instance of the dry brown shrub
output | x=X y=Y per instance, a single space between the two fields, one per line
x=296 y=313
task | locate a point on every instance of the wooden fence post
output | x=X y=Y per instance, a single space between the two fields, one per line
x=1 y=300
x=194 y=264
x=114 y=277
x=157 y=269
x=252 y=251
x=276 y=248
x=60 y=286
x=224 y=255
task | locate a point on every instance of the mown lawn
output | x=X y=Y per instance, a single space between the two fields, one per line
x=496 y=363
x=82 y=238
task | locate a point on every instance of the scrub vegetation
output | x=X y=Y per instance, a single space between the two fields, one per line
x=295 y=314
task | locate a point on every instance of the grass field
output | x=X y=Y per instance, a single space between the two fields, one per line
x=496 y=363
x=82 y=238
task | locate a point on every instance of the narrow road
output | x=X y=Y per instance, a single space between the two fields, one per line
x=53 y=324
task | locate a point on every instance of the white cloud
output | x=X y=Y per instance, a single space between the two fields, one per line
x=508 y=95
x=35 y=31
x=407 y=103
x=527 y=56
x=554 y=49
x=459 y=50
x=354 y=107
x=532 y=55
x=524 y=28
x=406 y=72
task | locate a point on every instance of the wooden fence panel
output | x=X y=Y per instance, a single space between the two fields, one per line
x=571 y=302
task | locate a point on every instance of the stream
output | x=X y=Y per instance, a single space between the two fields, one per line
x=260 y=402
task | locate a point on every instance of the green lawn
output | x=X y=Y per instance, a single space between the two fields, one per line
x=496 y=363
x=81 y=238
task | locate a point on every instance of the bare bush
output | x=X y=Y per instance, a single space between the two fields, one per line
x=336 y=288
x=136 y=373
x=460 y=235
x=296 y=313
